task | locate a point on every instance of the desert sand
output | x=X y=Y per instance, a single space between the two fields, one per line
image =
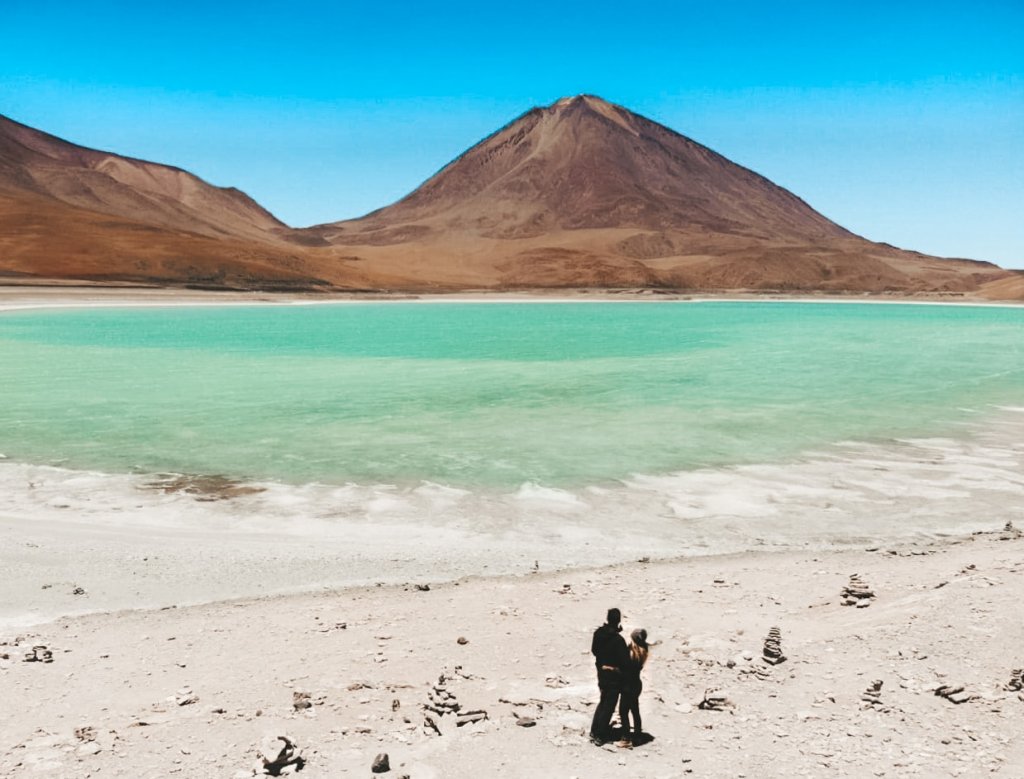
x=352 y=674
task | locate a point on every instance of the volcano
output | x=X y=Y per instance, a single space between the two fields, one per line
x=585 y=193
x=579 y=194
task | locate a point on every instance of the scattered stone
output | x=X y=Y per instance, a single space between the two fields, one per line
x=381 y=764
x=85 y=733
x=39 y=654
x=644 y=559
x=857 y=593
x=555 y=682
x=772 y=652
x=526 y=722
x=186 y=697
x=715 y=700
x=467 y=717
x=462 y=640
x=78 y=591
x=566 y=590
x=301 y=700
x=430 y=726
x=396 y=704
x=1016 y=682
x=423 y=587
x=88 y=748
x=278 y=755
x=954 y=694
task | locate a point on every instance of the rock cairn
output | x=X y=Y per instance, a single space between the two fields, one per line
x=715 y=700
x=301 y=700
x=1016 y=683
x=39 y=654
x=279 y=756
x=955 y=694
x=772 y=652
x=1010 y=532
x=872 y=696
x=857 y=593
x=442 y=702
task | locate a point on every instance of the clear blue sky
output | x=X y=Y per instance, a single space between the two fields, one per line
x=903 y=121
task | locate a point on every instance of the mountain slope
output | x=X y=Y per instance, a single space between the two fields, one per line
x=34 y=161
x=587 y=193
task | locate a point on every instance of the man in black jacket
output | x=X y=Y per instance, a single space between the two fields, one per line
x=610 y=656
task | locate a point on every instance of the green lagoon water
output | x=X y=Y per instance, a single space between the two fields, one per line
x=490 y=395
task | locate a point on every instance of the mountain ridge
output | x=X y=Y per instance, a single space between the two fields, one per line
x=579 y=193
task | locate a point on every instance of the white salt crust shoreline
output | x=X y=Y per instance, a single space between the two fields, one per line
x=22 y=298
x=131 y=546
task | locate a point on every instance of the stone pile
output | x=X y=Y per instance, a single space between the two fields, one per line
x=442 y=702
x=954 y=694
x=715 y=700
x=279 y=756
x=772 y=652
x=856 y=593
x=1016 y=683
x=301 y=700
x=39 y=654
x=872 y=696
x=1010 y=532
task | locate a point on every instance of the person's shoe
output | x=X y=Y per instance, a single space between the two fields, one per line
x=597 y=741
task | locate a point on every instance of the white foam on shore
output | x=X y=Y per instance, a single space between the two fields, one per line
x=885 y=490
x=292 y=537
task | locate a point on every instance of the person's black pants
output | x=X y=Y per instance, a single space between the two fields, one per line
x=610 y=685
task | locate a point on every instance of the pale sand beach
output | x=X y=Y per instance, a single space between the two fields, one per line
x=195 y=691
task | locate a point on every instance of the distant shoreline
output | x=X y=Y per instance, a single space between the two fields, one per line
x=15 y=297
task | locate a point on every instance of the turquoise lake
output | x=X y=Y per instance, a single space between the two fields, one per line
x=490 y=395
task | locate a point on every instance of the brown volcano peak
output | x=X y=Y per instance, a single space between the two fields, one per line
x=583 y=162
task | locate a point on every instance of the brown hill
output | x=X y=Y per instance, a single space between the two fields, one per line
x=587 y=193
x=69 y=212
x=581 y=193
x=33 y=161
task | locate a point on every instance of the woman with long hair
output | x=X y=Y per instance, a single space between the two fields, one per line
x=632 y=686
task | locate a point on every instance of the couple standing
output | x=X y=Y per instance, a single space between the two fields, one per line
x=618 y=677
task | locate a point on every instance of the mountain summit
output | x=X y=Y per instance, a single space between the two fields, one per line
x=585 y=193
x=586 y=163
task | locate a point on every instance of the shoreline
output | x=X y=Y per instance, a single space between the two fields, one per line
x=68 y=296
x=129 y=545
x=195 y=690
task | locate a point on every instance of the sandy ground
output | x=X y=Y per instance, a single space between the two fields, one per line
x=195 y=691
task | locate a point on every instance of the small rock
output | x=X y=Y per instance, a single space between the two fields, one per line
x=462 y=640
x=381 y=764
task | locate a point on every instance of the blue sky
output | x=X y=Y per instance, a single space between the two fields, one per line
x=902 y=121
